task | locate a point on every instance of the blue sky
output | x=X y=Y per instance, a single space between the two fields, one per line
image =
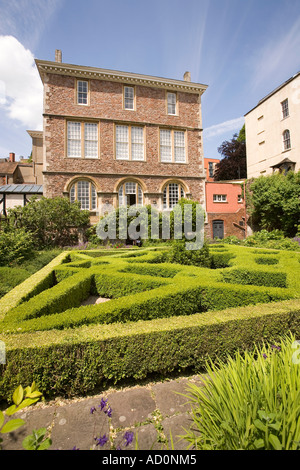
x=241 y=49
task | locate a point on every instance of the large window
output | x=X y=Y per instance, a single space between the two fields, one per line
x=171 y=195
x=172 y=146
x=84 y=191
x=82 y=139
x=130 y=194
x=129 y=143
x=82 y=92
x=286 y=140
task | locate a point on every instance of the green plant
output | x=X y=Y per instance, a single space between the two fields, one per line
x=22 y=398
x=16 y=245
x=250 y=401
x=52 y=221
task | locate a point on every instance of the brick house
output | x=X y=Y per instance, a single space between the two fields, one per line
x=225 y=209
x=119 y=138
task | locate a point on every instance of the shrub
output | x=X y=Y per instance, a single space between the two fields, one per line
x=249 y=402
x=179 y=254
x=256 y=278
x=266 y=260
x=16 y=245
x=52 y=221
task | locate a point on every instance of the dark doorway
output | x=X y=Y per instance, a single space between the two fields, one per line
x=131 y=199
x=218 y=229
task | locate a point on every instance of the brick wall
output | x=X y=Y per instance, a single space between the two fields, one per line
x=106 y=108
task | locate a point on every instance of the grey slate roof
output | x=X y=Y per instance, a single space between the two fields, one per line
x=22 y=188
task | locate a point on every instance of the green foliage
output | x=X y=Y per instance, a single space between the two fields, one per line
x=52 y=221
x=16 y=245
x=37 y=440
x=274 y=239
x=179 y=254
x=256 y=278
x=22 y=398
x=251 y=401
x=274 y=202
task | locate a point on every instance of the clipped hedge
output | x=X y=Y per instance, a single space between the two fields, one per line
x=256 y=278
x=77 y=362
x=266 y=260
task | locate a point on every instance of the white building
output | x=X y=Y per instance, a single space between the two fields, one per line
x=273 y=131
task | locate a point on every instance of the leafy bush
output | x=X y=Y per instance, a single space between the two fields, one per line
x=16 y=245
x=249 y=402
x=52 y=221
x=179 y=254
x=266 y=260
x=256 y=278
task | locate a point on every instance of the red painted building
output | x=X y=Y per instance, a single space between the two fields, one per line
x=225 y=206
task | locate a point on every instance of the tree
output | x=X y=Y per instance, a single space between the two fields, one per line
x=52 y=221
x=274 y=202
x=233 y=164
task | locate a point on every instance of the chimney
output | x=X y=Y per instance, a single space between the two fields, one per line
x=187 y=76
x=12 y=157
x=58 y=55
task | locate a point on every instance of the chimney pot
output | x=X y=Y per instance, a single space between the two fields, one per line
x=187 y=76
x=58 y=55
x=12 y=157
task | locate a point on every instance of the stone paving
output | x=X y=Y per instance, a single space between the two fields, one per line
x=156 y=413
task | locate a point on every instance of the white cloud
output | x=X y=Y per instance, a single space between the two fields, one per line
x=224 y=127
x=278 y=57
x=22 y=90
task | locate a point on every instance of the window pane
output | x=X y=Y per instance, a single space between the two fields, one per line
x=83 y=194
x=171 y=103
x=179 y=146
x=82 y=92
x=72 y=194
x=285 y=108
x=122 y=147
x=137 y=143
x=140 y=196
x=130 y=188
x=173 y=195
x=74 y=139
x=94 y=197
x=91 y=140
x=286 y=140
x=129 y=97
x=165 y=146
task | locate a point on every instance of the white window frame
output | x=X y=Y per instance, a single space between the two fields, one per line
x=131 y=143
x=220 y=198
x=75 y=191
x=128 y=99
x=82 y=125
x=85 y=93
x=171 y=103
x=286 y=136
x=172 y=146
x=285 y=108
x=168 y=204
x=130 y=187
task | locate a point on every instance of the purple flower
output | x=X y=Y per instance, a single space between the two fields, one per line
x=265 y=356
x=108 y=411
x=93 y=409
x=128 y=436
x=276 y=347
x=103 y=404
x=75 y=448
x=101 y=441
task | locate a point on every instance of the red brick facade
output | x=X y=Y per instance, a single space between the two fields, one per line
x=106 y=108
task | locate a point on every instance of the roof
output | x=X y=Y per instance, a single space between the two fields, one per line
x=8 y=168
x=285 y=160
x=274 y=91
x=60 y=68
x=22 y=188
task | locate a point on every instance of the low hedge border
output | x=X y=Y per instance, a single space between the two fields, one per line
x=38 y=282
x=256 y=278
x=77 y=362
